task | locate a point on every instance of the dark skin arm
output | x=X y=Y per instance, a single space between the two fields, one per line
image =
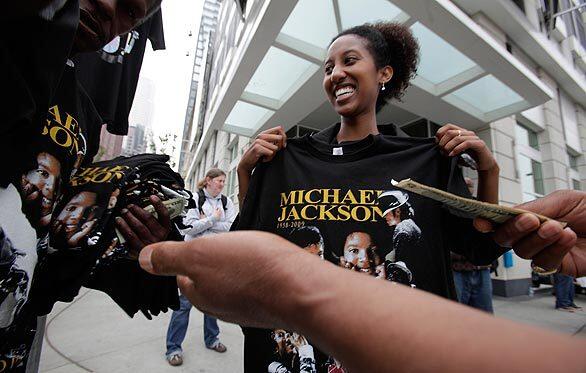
x=263 y=149
x=454 y=140
x=141 y=228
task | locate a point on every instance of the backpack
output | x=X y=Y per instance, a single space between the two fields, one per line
x=202 y=198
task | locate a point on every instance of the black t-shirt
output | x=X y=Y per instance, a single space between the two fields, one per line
x=33 y=52
x=340 y=199
x=110 y=75
x=65 y=139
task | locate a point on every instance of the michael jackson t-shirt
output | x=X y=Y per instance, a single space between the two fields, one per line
x=64 y=140
x=336 y=201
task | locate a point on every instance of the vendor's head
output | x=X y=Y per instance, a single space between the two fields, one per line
x=368 y=65
x=100 y=21
x=213 y=182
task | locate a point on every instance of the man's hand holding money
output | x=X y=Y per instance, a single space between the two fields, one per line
x=549 y=245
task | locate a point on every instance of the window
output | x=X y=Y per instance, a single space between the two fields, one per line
x=234 y=152
x=520 y=4
x=526 y=137
x=231 y=187
x=531 y=175
x=576 y=184
x=573 y=161
x=421 y=128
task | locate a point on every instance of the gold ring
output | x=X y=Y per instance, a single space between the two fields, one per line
x=542 y=271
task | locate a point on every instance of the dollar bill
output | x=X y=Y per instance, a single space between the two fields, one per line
x=495 y=213
x=175 y=206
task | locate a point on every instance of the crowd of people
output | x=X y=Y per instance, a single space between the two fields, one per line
x=372 y=295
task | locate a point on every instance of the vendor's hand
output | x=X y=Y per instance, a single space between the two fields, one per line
x=141 y=228
x=548 y=245
x=454 y=140
x=263 y=148
x=228 y=275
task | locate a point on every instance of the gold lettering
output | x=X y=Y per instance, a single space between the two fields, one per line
x=344 y=212
x=349 y=199
x=304 y=212
x=333 y=198
x=308 y=196
x=293 y=215
x=325 y=210
x=366 y=213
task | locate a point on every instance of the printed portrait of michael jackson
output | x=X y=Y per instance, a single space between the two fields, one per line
x=14 y=281
x=76 y=220
x=294 y=352
x=309 y=239
x=39 y=188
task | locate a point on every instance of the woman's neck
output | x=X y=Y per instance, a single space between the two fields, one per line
x=210 y=192
x=357 y=128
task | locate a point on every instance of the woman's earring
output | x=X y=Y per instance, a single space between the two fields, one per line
x=383 y=87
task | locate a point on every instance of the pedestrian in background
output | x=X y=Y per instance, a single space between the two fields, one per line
x=214 y=213
x=564 y=293
x=473 y=283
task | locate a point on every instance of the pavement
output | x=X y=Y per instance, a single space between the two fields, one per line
x=94 y=335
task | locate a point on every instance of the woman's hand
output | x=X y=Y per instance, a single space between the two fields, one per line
x=263 y=148
x=140 y=228
x=454 y=140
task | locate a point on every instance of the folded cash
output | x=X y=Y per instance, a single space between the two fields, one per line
x=176 y=207
x=495 y=213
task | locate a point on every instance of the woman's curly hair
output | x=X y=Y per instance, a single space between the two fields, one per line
x=391 y=44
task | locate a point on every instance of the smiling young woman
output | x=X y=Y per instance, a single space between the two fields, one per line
x=338 y=182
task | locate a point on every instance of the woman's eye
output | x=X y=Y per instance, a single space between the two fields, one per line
x=328 y=69
x=350 y=60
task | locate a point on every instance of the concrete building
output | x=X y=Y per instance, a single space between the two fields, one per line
x=499 y=67
x=136 y=140
x=110 y=145
x=207 y=26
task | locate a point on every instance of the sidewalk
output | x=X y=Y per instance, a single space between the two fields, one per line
x=96 y=336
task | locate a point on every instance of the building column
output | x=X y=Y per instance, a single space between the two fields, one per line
x=552 y=143
x=500 y=138
x=581 y=115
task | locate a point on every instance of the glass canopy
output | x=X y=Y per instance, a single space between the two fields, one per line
x=447 y=75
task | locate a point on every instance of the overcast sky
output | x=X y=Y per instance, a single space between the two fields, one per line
x=170 y=70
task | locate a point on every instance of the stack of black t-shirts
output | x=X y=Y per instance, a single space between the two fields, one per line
x=83 y=247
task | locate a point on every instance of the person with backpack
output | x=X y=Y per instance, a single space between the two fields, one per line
x=213 y=214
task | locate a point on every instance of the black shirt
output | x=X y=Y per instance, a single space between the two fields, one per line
x=110 y=75
x=344 y=192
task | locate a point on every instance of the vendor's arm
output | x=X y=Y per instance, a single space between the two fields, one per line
x=263 y=149
x=259 y=279
x=140 y=228
x=454 y=140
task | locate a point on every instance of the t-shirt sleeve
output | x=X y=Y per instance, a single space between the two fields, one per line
x=479 y=248
x=249 y=216
x=156 y=34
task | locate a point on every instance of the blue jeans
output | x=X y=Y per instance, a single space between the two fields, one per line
x=564 y=290
x=178 y=328
x=474 y=288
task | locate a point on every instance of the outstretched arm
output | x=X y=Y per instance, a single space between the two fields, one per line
x=262 y=280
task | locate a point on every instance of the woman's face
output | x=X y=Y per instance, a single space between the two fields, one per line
x=351 y=79
x=216 y=185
